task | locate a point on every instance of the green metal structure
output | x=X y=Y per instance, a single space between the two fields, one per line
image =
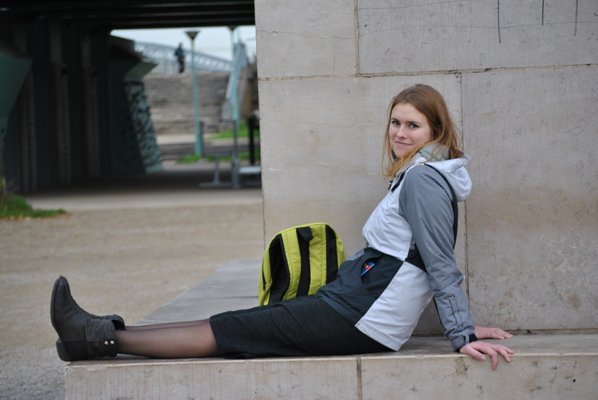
x=72 y=101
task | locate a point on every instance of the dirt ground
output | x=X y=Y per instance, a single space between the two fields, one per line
x=127 y=247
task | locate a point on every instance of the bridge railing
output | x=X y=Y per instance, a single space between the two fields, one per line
x=164 y=56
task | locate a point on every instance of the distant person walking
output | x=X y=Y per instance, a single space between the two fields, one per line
x=179 y=53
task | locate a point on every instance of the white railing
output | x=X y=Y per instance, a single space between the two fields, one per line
x=167 y=64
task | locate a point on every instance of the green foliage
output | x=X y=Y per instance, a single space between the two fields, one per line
x=16 y=207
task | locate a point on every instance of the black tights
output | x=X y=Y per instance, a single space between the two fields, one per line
x=171 y=340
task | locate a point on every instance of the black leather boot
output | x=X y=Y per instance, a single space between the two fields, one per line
x=117 y=320
x=81 y=336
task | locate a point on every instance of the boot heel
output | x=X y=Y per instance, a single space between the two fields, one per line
x=72 y=351
x=62 y=352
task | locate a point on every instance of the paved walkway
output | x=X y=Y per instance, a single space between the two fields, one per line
x=127 y=246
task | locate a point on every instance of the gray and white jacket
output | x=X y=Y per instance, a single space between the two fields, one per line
x=409 y=238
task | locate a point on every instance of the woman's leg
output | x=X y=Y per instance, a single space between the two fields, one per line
x=83 y=335
x=167 y=325
x=190 y=339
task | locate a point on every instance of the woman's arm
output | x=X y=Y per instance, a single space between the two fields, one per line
x=425 y=203
x=427 y=208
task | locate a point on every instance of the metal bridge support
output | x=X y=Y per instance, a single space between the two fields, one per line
x=13 y=70
x=134 y=146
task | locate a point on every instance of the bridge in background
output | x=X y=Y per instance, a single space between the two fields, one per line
x=163 y=56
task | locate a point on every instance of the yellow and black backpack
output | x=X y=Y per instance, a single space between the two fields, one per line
x=298 y=261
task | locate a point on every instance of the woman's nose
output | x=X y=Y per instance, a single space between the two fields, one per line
x=400 y=131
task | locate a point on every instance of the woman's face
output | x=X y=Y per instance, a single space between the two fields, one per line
x=408 y=129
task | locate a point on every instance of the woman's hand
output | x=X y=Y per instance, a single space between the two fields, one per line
x=483 y=332
x=478 y=350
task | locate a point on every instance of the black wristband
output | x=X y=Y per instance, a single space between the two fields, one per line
x=472 y=338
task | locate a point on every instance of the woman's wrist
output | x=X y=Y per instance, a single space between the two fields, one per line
x=471 y=338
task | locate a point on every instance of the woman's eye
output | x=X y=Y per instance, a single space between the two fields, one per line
x=394 y=122
x=413 y=125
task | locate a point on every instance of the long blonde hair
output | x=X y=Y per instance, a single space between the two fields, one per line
x=430 y=103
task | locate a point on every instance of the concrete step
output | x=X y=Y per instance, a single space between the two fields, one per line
x=171 y=101
x=545 y=366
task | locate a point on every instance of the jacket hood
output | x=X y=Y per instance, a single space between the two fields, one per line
x=453 y=169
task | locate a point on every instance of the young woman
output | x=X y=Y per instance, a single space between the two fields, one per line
x=379 y=294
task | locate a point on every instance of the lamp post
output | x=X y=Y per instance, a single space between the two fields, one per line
x=198 y=134
x=234 y=111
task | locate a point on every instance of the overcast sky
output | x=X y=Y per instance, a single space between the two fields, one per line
x=214 y=41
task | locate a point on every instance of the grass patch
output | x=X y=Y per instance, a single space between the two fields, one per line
x=16 y=207
x=189 y=159
x=243 y=133
x=193 y=158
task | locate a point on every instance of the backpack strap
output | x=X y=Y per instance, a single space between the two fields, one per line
x=329 y=254
x=278 y=270
x=304 y=236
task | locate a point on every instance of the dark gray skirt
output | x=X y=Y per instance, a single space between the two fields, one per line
x=305 y=326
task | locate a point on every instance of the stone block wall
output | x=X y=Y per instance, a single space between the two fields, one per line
x=521 y=80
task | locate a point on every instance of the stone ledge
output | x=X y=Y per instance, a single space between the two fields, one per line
x=232 y=286
x=545 y=367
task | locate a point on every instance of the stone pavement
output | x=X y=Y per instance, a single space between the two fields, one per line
x=127 y=245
